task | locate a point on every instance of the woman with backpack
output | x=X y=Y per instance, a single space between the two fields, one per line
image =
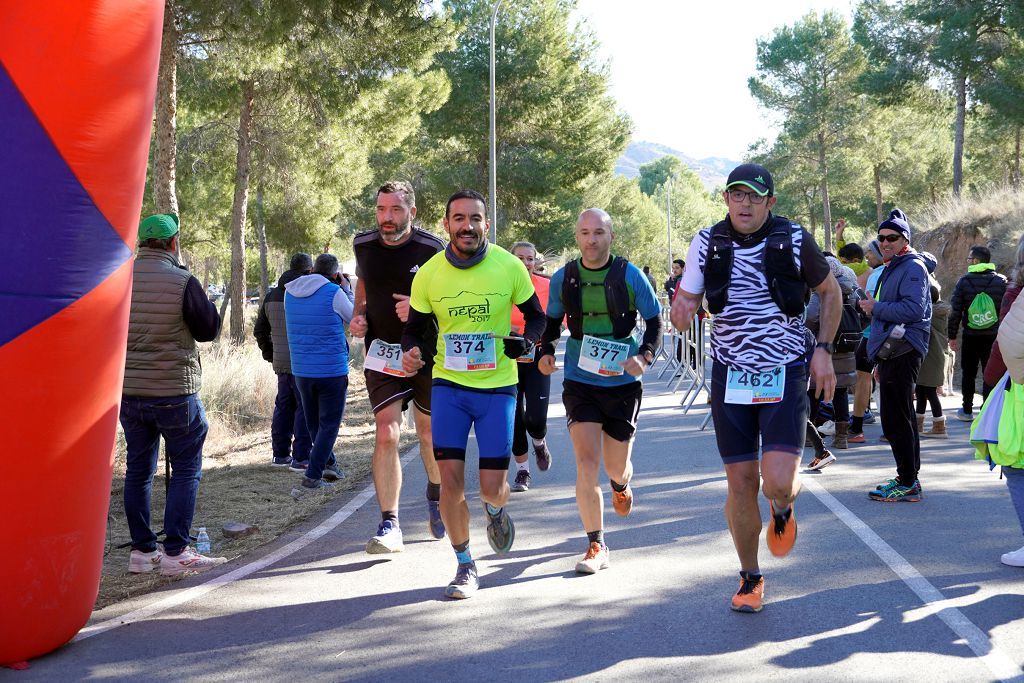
x=843 y=363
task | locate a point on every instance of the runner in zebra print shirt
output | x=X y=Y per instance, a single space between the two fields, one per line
x=760 y=372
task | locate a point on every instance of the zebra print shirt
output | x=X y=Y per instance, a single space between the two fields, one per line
x=752 y=333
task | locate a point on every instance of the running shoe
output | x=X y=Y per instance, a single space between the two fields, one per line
x=822 y=461
x=781 y=531
x=501 y=532
x=964 y=415
x=595 y=560
x=827 y=428
x=543 y=456
x=188 y=562
x=465 y=583
x=333 y=473
x=387 y=540
x=856 y=438
x=522 y=482
x=434 y=521
x=898 y=494
x=869 y=417
x=299 y=465
x=750 y=596
x=622 y=501
x=1013 y=559
x=284 y=461
x=140 y=562
x=883 y=487
x=308 y=485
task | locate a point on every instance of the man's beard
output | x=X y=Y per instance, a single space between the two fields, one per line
x=397 y=236
x=466 y=254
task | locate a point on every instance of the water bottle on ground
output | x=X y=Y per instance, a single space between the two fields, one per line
x=203 y=542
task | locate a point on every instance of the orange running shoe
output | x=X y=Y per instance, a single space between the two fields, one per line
x=781 y=531
x=750 y=596
x=623 y=502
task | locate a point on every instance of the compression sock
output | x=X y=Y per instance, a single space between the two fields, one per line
x=857 y=425
x=462 y=553
x=596 y=537
x=433 y=491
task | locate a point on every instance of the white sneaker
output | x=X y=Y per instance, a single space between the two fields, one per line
x=189 y=561
x=827 y=428
x=1014 y=559
x=595 y=560
x=140 y=562
x=387 y=540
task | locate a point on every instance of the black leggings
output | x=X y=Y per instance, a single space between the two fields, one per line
x=533 y=392
x=926 y=395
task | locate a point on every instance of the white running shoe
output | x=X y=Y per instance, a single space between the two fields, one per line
x=140 y=562
x=387 y=540
x=1014 y=559
x=595 y=560
x=189 y=561
x=827 y=428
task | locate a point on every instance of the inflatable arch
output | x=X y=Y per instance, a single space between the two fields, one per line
x=77 y=86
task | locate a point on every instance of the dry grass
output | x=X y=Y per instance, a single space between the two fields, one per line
x=238 y=482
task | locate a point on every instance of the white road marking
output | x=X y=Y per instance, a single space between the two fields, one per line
x=213 y=584
x=996 y=660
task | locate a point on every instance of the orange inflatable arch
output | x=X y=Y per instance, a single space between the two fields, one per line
x=77 y=85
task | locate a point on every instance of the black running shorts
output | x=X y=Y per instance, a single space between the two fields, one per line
x=386 y=389
x=615 y=408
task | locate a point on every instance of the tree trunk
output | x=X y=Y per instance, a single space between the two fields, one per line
x=238 y=214
x=958 y=134
x=810 y=213
x=261 y=237
x=165 y=155
x=826 y=206
x=879 y=214
x=223 y=306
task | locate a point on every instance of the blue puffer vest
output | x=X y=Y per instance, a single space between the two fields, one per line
x=316 y=334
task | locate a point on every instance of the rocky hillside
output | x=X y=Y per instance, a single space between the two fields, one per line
x=711 y=170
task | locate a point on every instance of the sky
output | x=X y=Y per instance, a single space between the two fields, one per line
x=679 y=68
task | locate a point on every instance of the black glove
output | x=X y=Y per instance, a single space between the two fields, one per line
x=514 y=348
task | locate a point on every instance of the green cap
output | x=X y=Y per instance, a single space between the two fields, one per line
x=159 y=226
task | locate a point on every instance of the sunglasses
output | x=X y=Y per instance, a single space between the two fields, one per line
x=889 y=238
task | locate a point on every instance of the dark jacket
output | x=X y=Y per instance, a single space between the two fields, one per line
x=843 y=364
x=903 y=298
x=270 y=331
x=933 y=367
x=968 y=287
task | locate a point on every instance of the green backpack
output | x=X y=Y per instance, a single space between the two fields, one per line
x=982 y=314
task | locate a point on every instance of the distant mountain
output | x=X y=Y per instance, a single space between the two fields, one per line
x=712 y=170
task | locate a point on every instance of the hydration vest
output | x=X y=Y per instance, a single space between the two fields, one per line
x=616 y=296
x=787 y=288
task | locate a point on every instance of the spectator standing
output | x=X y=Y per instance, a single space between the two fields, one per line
x=975 y=305
x=851 y=255
x=317 y=307
x=996 y=368
x=900 y=326
x=170 y=312
x=289 y=422
x=650 y=278
x=678 y=265
x=933 y=367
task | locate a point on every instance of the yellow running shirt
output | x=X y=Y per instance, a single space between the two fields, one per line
x=469 y=305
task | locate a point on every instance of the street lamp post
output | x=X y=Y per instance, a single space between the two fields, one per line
x=668 y=212
x=494 y=144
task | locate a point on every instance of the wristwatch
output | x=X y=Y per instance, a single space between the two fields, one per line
x=829 y=347
x=648 y=357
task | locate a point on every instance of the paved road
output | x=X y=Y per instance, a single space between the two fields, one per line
x=871 y=591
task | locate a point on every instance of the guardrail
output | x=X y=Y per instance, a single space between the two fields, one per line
x=685 y=356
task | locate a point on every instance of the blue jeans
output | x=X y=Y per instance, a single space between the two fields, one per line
x=1015 y=482
x=323 y=401
x=181 y=421
x=289 y=421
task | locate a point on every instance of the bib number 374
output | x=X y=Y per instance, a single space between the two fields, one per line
x=748 y=388
x=472 y=352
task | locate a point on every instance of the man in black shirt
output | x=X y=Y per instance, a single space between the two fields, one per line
x=387 y=259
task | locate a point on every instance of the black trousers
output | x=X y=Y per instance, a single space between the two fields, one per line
x=974 y=351
x=896 y=380
x=532 y=395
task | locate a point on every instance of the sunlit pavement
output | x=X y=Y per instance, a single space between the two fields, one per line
x=871 y=591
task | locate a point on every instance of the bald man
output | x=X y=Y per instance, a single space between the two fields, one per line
x=604 y=363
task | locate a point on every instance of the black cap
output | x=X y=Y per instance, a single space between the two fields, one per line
x=756 y=177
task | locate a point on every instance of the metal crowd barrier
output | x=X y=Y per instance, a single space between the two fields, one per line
x=689 y=371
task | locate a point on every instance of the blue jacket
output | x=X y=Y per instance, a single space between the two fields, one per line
x=903 y=297
x=315 y=312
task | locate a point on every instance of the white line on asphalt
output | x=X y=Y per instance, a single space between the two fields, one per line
x=202 y=589
x=995 y=659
